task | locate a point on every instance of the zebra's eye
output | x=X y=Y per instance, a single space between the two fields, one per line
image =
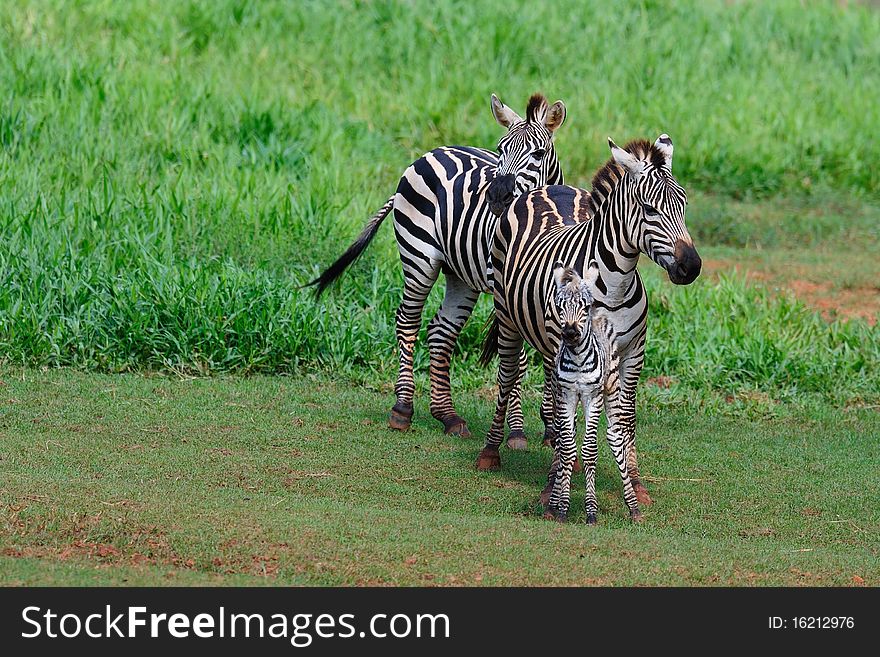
x=650 y=209
x=538 y=154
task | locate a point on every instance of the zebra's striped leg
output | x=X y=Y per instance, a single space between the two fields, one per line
x=547 y=402
x=548 y=416
x=443 y=331
x=551 y=391
x=630 y=369
x=566 y=448
x=589 y=451
x=416 y=286
x=617 y=442
x=510 y=344
x=628 y=431
x=516 y=438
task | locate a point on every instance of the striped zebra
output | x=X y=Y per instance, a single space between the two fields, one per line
x=445 y=211
x=585 y=374
x=635 y=206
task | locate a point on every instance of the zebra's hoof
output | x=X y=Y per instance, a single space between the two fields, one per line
x=456 y=426
x=548 y=439
x=401 y=417
x=489 y=459
x=549 y=511
x=635 y=515
x=591 y=518
x=517 y=440
x=562 y=517
x=577 y=467
x=642 y=493
x=544 y=497
x=548 y=489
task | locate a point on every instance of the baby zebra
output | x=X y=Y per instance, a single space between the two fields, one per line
x=586 y=373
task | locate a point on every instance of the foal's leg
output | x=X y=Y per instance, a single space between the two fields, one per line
x=589 y=451
x=548 y=416
x=566 y=449
x=443 y=331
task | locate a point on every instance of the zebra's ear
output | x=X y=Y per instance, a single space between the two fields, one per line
x=591 y=276
x=627 y=160
x=505 y=116
x=563 y=275
x=555 y=116
x=664 y=145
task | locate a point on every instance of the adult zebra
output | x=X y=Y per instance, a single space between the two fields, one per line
x=635 y=206
x=445 y=210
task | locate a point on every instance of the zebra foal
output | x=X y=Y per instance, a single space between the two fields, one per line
x=585 y=374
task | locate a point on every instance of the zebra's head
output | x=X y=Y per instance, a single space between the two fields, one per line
x=660 y=203
x=574 y=301
x=526 y=156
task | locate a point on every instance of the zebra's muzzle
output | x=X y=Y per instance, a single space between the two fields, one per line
x=570 y=335
x=686 y=266
x=500 y=194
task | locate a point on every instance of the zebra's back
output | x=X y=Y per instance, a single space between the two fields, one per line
x=441 y=212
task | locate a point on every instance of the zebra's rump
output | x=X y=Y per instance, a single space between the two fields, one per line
x=441 y=212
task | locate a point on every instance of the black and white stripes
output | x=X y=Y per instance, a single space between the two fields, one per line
x=585 y=374
x=635 y=206
x=445 y=212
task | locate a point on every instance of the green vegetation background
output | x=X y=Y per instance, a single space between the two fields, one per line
x=171 y=173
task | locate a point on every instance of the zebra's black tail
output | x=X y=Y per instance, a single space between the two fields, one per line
x=490 y=340
x=351 y=254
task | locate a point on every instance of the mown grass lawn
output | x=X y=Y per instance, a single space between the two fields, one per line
x=133 y=479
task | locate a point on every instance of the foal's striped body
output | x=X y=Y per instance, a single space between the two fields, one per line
x=585 y=374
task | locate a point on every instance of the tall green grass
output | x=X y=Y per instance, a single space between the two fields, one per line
x=170 y=173
x=212 y=316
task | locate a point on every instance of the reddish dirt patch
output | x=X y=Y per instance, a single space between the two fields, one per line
x=858 y=302
x=100 y=551
x=104 y=554
x=264 y=563
x=222 y=451
x=660 y=381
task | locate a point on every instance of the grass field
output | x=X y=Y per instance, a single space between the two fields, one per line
x=175 y=409
x=132 y=479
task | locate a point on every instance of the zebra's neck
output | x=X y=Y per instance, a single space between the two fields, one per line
x=554 y=170
x=616 y=215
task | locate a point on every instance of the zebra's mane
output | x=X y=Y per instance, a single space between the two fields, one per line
x=610 y=174
x=536 y=102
